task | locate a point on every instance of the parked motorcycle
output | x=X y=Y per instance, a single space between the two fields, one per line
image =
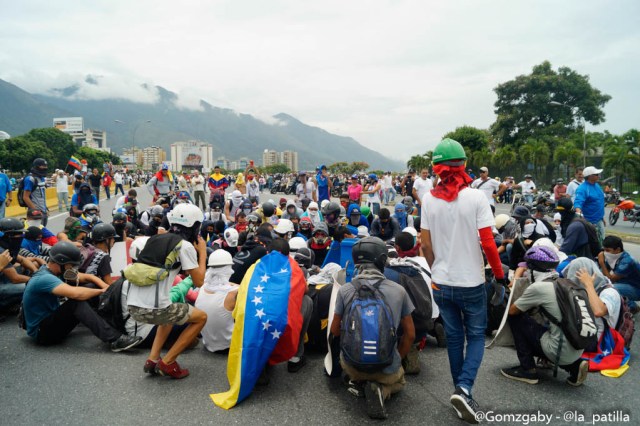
x=630 y=211
x=275 y=187
x=612 y=197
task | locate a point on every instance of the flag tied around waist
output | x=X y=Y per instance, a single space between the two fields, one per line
x=268 y=321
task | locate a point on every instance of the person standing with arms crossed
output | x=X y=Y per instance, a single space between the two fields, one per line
x=457 y=266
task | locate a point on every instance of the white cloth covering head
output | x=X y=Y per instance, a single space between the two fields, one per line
x=217 y=280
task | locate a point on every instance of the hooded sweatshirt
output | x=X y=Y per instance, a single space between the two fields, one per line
x=363 y=220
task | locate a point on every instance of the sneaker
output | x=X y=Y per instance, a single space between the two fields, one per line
x=150 y=367
x=295 y=366
x=411 y=362
x=578 y=377
x=441 y=337
x=520 y=374
x=125 y=342
x=356 y=388
x=465 y=406
x=172 y=370
x=375 y=401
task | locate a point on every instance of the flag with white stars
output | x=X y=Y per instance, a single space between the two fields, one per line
x=267 y=323
x=611 y=353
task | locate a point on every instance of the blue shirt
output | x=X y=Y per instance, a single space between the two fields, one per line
x=38 y=301
x=628 y=269
x=5 y=187
x=590 y=200
x=37 y=187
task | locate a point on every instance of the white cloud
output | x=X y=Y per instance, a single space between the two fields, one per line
x=395 y=75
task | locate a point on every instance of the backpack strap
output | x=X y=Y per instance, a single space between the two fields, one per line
x=417 y=265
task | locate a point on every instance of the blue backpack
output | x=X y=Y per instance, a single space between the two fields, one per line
x=368 y=336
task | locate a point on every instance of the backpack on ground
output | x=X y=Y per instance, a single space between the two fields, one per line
x=20 y=195
x=594 y=243
x=368 y=337
x=626 y=324
x=578 y=322
x=110 y=305
x=160 y=255
x=408 y=275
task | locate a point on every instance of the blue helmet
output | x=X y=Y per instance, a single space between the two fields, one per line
x=373 y=176
x=165 y=166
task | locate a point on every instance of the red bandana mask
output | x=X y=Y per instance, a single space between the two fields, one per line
x=452 y=180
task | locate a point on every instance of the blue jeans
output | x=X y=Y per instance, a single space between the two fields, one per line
x=629 y=291
x=464 y=312
x=599 y=229
x=3 y=207
x=10 y=294
x=528 y=198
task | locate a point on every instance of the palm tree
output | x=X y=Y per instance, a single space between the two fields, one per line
x=622 y=160
x=481 y=157
x=567 y=154
x=504 y=158
x=537 y=152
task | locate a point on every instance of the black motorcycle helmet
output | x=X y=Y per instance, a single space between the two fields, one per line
x=102 y=232
x=331 y=212
x=131 y=229
x=370 y=250
x=40 y=165
x=268 y=209
x=11 y=225
x=119 y=217
x=65 y=252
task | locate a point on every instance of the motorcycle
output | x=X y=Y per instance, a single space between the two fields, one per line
x=275 y=187
x=630 y=211
x=337 y=190
x=291 y=189
x=612 y=197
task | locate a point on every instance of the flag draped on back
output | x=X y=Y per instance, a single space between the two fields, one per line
x=218 y=181
x=611 y=352
x=75 y=163
x=267 y=324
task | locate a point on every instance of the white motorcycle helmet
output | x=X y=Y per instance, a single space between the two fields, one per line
x=186 y=215
x=296 y=243
x=220 y=258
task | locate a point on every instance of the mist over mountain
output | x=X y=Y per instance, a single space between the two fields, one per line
x=232 y=134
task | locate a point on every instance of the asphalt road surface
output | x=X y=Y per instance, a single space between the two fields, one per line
x=81 y=382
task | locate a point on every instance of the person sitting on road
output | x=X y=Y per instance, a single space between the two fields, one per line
x=102 y=237
x=132 y=194
x=291 y=209
x=622 y=269
x=32 y=246
x=535 y=340
x=355 y=217
x=370 y=256
x=90 y=216
x=385 y=227
x=81 y=198
x=252 y=249
x=575 y=237
x=217 y=298
x=48 y=321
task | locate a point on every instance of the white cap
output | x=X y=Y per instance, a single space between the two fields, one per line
x=588 y=171
x=557 y=216
x=411 y=230
x=362 y=231
x=324 y=203
x=296 y=243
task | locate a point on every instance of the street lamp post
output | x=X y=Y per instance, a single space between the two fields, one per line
x=584 y=130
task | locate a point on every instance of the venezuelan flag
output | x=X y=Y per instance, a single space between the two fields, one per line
x=75 y=163
x=611 y=353
x=267 y=324
x=218 y=181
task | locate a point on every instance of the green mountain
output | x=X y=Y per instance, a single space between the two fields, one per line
x=233 y=135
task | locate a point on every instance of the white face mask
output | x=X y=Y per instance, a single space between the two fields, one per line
x=215 y=216
x=612 y=258
x=33 y=223
x=528 y=229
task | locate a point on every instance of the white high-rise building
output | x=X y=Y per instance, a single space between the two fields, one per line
x=190 y=155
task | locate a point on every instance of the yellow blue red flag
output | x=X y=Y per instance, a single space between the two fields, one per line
x=267 y=326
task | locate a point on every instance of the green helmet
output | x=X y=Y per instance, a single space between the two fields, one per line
x=365 y=210
x=451 y=151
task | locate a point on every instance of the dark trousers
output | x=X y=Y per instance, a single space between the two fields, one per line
x=526 y=336
x=58 y=325
x=119 y=187
x=307 y=310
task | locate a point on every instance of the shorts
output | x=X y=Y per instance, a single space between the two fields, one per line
x=176 y=313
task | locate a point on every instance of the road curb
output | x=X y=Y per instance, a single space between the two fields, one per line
x=627 y=238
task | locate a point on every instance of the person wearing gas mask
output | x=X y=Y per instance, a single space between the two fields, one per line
x=156 y=214
x=90 y=216
x=216 y=214
x=47 y=321
x=319 y=243
x=34 y=195
x=331 y=216
x=253 y=221
x=80 y=199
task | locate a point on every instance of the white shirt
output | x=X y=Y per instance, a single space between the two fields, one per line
x=386 y=182
x=572 y=187
x=487 y=188
x=454 y=229
x=611 y=298
x=422 y=186
x=527 y=187
x=305 y=192
x=144 y=297
x=198 y=183
x=62 y=183
x=216 y=334
x=118 y=178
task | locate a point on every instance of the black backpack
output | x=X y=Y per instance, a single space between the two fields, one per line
x=368 y=336
x=110 y=305
x=594 y=243
x=21 y=202
x=408 y=275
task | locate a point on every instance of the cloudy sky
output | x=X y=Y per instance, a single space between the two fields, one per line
x=395 y=75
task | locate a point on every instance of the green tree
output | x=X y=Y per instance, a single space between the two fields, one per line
x=419 y=162
x=96 y=158
x=357 y=166
x=525 y=110
x=339 y=167
x=470 y=137
x=60 y=143
x=481 y=157
x=536 y=152
x=504 y=159
x=621 y=160
x=276 y=168
x=19 y=153
x=569 y=155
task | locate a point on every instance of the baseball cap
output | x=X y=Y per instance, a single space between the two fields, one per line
x=588 y=171
x=520 y=212
x=484 y=169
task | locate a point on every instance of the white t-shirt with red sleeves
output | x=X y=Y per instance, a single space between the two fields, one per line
x=454 y=229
